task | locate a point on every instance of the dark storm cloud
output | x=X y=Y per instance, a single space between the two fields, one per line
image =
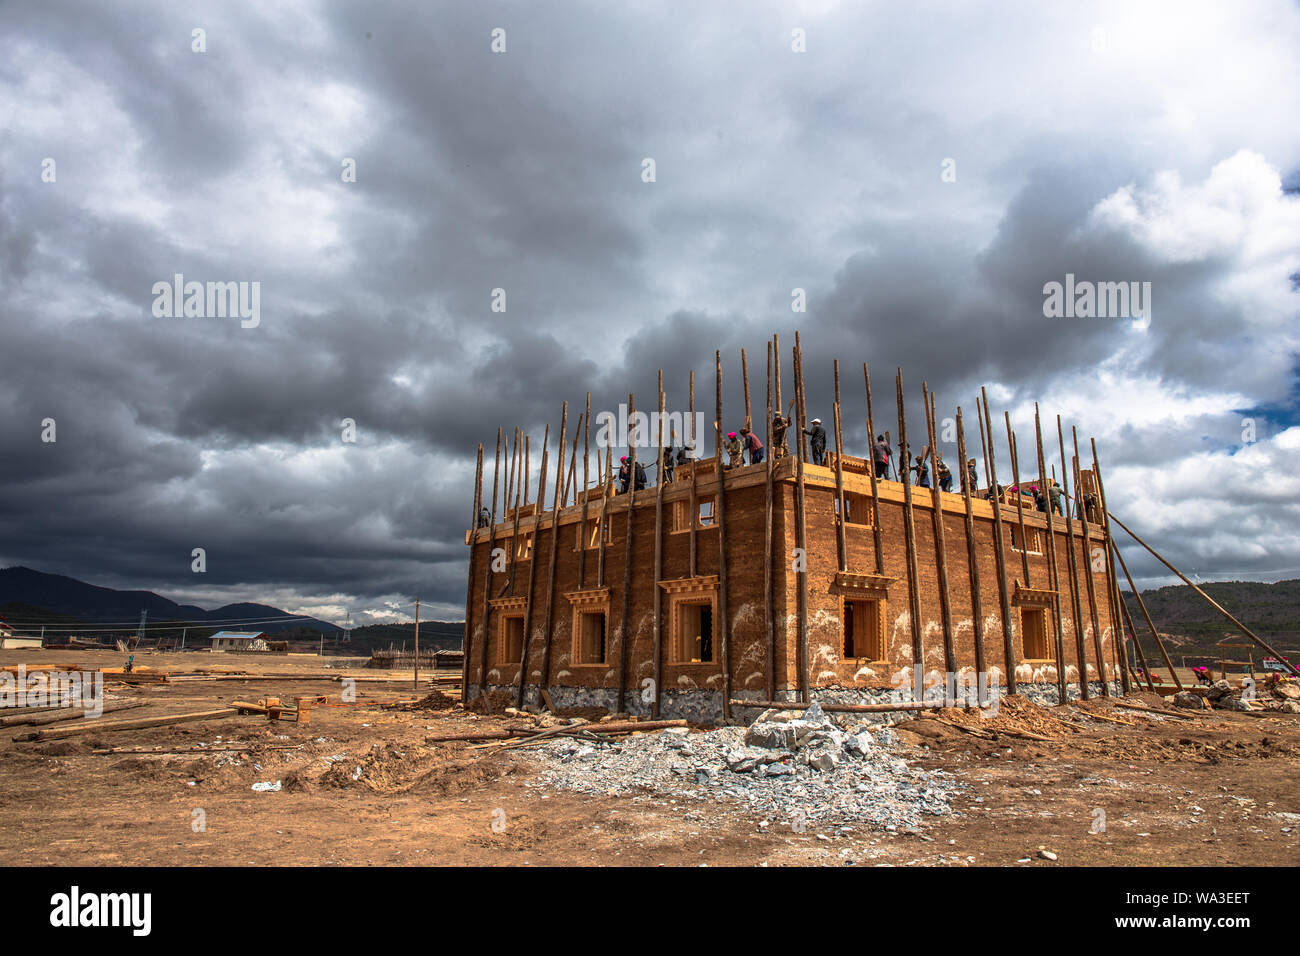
x=522 y=172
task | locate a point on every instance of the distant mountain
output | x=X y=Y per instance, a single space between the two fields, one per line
x=1270 y=610
x=434 y=635
x=66 y=600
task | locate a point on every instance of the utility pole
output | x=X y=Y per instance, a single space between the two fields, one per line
x=184 y=631
x=417 y=644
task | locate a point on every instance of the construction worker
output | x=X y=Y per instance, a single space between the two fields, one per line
x=1054 y=493
x=752 y=445
x=779 y=425
x=129 y=665
x=922 y=472
x=484 y=517
x=972 y=476
x=817 y=441
x=735 y=450
x=945 y=476
x=640 y=477
x=880 y=456
x=666 y=461
x=624 y=475
x=684 y=454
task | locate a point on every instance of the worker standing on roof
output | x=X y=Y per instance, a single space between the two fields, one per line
x=817 y=441
x=752 y=445
x=640 y=477
x=779 y=425
x=945 y=475
x=666 y=463
x=972 y=476
x=624 y=475
x=735 y=450
x=922 y=472
x=1054 y=492
x=880 y=456
x=484 y=517
x=684 y=454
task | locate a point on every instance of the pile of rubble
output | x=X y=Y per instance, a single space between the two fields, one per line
x=785 y=767
x=1279 y=695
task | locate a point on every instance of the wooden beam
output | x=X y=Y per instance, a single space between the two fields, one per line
x=999 y=547
x=840 y=530
x=532 y=562
x=909 y=541
x=693 y=563
x=875 y=491
x=1127 y=618
x=1075 y=604
x=586 y=488
x=627 y=558
x=1112 y=592
x=972 y=556
x=1020 y=504
x=469 y=575
x=68 y=713
x=1142 y=606
x=487 y=579
x=659 y=560
x=1053 y=568
x=768 y=612
x=560 y=495
x=1087 y=560
x=940 y=545
x=109 y=726
x=800 y=531
x=719 y=509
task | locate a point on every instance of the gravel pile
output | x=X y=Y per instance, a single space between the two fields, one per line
x=800 y=771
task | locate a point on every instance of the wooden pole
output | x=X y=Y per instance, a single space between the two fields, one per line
x=802 y=397
x=465 y=647
x=532 y=562
x=545 y=683
x=1020 y=501
x=1053 y=569
x=768 y=612
x=909 y=540
x=1087 y=561
x=627 y=557
x=1142 y=606
x=695 y=482
x=744 y=374
x=1075 y=604
x=988 y=482
x=417 y=645
x=527 y=474
x=800 y=534
x=107 y=726
x=487 y=578
x=603 y=523
x=721 y=517
x=972 y=557
x=940 y=544
x=875 y=491
x=841 y=517
x=514 y=536
x=586 y=493
x=1127 y=618
x=1112 y=592
x=999 y=547
x=659 y=559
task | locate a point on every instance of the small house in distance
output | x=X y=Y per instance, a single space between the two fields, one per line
x=239 y=641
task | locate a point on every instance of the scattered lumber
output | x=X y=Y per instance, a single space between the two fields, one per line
x=852 y=708
x=1154 y=710
x=629 y=727
x=98 y=726
x=1113 y=720
x=66 y=713
x=194 y=750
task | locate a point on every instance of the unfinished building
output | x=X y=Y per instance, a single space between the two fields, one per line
x=703 y=596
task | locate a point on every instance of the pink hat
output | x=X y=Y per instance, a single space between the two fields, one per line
x=731 y=434
x=624 y=458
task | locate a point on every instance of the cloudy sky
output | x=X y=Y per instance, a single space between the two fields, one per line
x=920 y=170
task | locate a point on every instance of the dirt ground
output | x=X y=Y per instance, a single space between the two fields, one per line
x=1213 y=789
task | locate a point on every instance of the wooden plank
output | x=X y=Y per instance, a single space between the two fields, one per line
x=972 y=555
x=487 y=579
x=940 y=545
x=1053 y=569
x=66 y=713
x=999 y=547
x=658 y=643
x=909 y=538
x=532 y=566
x=719 y=508
x=109 y=726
